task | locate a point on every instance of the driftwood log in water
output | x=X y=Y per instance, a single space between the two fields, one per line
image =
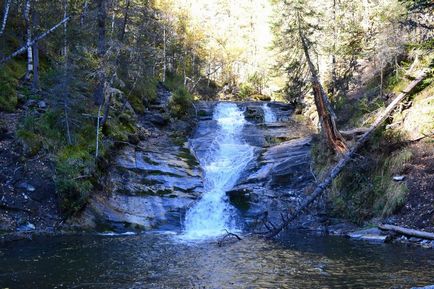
x=334 y=172
x=407 y=231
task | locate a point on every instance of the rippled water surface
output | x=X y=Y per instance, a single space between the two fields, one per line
x=157 y=260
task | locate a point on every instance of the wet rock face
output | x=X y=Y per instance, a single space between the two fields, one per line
x=275 y=181
x=151 y=181
x=150 y=185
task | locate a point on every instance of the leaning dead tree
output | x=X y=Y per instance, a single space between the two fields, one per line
x=334 y=172
x=323 y=106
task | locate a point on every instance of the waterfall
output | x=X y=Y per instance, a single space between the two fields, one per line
x=225 y=159
x=269 y=116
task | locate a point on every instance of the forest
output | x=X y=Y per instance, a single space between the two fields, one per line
x=242 y=127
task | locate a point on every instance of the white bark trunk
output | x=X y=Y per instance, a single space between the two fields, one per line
x=83 y=15
x=28 y=40
x=113 y=22
x=164 y=54
x=5 y=16
x=97 y=132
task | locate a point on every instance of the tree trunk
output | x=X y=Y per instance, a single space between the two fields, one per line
x=29 y=69
x=101 y=19
x=325 y=112
x=184 y=67
x=84 y=13
x=164 y=53
x=335 y=171
x=99 y=94
x=106 y=110
x=5 y=16
x=97 y=132
x=124 y=23
x=113 y=21
x=35 y=50
x=335 y=38
x=407 y=231
x=65 y=71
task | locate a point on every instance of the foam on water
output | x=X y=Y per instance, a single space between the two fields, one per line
x=269 y=116
x=226 y=158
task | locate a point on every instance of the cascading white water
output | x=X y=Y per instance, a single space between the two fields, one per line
x=269 y=116
x=226 y=158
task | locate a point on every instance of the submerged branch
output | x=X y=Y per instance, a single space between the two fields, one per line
x=227 y=236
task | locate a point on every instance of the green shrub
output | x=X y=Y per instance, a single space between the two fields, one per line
x=246 y=90
x=119 y=128
x=47 y=128
x=392 y=194
x=9 y=76
x=180 y=102
x=74 y=172
x=142 y=93
x=365 y=188
x=31 y=142
x=173 y=81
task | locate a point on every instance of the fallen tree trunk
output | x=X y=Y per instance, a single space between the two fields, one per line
x=353 y=133
x=334 y=172
x=31 y=43
x=407 y=231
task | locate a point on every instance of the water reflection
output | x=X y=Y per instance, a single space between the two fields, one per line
x=162 y=261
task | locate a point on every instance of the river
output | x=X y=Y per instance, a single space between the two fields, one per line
x=162 y=260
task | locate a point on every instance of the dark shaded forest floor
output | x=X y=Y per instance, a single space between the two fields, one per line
x=27 y=193
x=418 y=212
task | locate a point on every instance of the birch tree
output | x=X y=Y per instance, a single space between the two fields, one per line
x=5 y=16
x=29 y=69
x=35 y=52
x=99 y=93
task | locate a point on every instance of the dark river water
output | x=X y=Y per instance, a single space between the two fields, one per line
x=156 y=260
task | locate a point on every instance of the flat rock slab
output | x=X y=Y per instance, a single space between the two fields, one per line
x=370 y=235
x=138 y=212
